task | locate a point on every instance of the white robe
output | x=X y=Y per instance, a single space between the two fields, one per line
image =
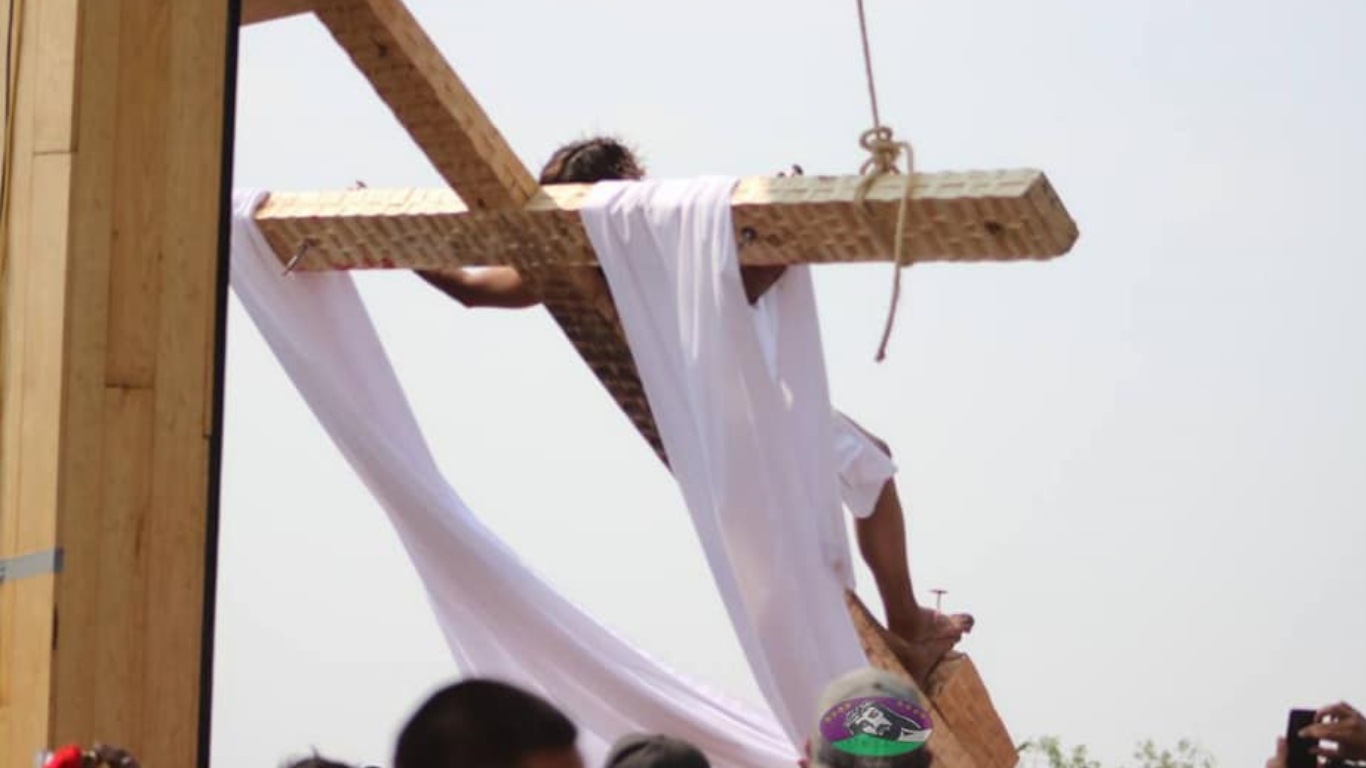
x=498 y=617
x=752 y=443
x=742 y=405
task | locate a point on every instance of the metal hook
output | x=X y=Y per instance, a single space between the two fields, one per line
x=298 y=255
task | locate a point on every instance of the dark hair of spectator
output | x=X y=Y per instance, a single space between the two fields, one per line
x=600 y=158
x=481 y=724
x=316 y=761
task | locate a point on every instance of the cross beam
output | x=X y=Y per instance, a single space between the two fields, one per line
x=967 y=731
x=409 y=73
x=411 y=76
x=504 y=219
x=998 y=216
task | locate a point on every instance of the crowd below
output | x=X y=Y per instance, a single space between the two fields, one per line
x=866 y=719
x=480 y=723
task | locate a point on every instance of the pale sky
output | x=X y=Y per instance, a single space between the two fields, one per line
x=1142 y=466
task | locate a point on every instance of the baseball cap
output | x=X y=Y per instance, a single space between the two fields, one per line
x=654 y=750
x=871 y=718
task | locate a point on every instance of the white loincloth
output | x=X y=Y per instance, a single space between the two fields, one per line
x=863 y=468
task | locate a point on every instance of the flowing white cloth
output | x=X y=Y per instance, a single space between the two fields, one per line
x=746 y=422
x=498 y=617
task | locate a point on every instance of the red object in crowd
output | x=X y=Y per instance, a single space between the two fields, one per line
x=67 y=757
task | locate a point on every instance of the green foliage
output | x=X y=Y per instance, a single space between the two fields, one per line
x=1188 y=754
x=1049 y=752
x=1053 y=755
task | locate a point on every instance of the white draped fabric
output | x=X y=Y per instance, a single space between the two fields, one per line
x=499 y=618
x=741 y=400
x=743 y=409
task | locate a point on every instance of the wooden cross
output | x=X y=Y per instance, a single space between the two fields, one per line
x=497 y=214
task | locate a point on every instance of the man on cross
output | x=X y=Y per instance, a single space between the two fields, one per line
x=920 y=636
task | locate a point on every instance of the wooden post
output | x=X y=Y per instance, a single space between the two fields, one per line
x=110 y=300
x=258 y=11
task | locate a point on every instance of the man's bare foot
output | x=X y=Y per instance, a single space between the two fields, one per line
x=921 y=646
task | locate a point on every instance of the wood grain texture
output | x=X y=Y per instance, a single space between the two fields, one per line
x=408 y=72
x=1003 y=215
x=53 y=119
x=108 y=321
x=447 y=123
x=258 y=11
x=981 y=216
x=33 y=325
x=496 y=214
x=997 y=215
x=968 y=733
x=966 y=706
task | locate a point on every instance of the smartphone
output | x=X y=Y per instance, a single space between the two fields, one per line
x=1297 y=748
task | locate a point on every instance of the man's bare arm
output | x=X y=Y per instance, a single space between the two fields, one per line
x=500 y=287
x=504 y=288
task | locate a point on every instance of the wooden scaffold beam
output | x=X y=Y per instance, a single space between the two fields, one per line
x=109 y=299
x=258 y=11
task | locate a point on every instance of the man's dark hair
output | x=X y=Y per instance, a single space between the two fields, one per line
x=654 y=750
x=481 y=724
x=316 y=761
x=600 y=158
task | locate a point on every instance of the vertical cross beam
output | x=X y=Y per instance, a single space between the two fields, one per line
x=428 y=98
x=109 y=311
x=967 y=731
x=408 y=71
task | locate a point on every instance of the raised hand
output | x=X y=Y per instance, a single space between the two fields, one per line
x=1339 y=723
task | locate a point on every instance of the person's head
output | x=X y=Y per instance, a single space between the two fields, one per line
x=315 y=761
x=871 y=719
x=487 y=724
x=600 y=158
x=654 y=750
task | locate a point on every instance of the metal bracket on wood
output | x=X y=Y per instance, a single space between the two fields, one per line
x=32 y=564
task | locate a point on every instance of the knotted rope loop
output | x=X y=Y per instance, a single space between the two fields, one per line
x=883 y=153
x=883 y=150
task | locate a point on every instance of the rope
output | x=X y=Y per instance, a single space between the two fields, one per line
x=868 y=62
x=883 y=153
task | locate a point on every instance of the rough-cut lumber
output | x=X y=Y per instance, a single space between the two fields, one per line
x=107 y=335
x=1001 y=215
x=964 y=705
x=409 y=73
x=430 y=101
x=954 y=216
x=504 y=219
x=257 y=11
x=967 y=731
